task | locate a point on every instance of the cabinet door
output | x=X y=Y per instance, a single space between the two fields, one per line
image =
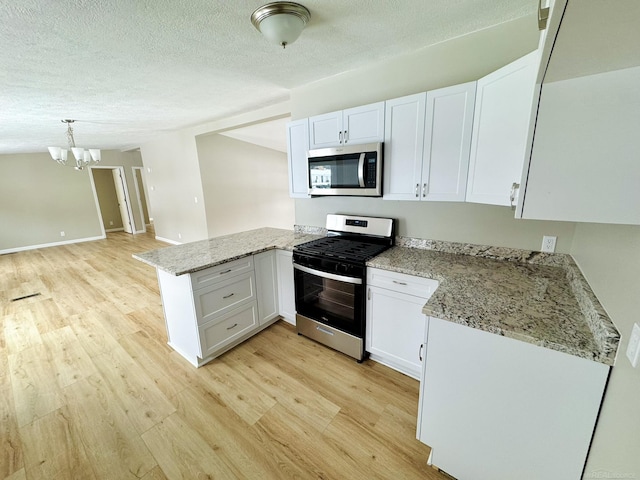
x=266 y=285
x=286 y=294
x=395 y=328
x=491 y=405
x=325 y=130
x=297 y=148
x=363 y=124
x=447 y=142
x=584 y=165
x=404 y=142
x=502 y=114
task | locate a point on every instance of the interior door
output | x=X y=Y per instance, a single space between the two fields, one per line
x=118 y=181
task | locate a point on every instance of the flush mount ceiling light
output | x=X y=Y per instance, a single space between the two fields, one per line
x=83 y=157
x=281 y=22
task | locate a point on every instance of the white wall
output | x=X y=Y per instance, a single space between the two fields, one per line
x=459 y=60
x=245 y=186
x=609 y=257
x=173 y=181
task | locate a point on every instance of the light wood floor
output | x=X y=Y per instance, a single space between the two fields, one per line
x=89 y=388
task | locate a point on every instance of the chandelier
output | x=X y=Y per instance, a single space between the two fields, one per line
x=83 y=156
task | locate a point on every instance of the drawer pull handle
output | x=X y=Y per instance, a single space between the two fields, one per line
x=225 y=271
x=232 y=326
x=420 y=351
x=228 y=296
x=399 y=283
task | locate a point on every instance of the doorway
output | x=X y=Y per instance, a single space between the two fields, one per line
x=141 y=194
x=112 y=198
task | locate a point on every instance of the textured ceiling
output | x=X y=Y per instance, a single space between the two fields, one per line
x=129 y=69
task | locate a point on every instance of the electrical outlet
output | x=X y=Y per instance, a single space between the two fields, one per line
x=633 y=349
x=110 y=222
x=62 y=234
x=549 y=244
x=195 y=199
x=179 y=236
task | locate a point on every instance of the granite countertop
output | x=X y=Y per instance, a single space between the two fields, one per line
x=194 y=256
x=536 y=298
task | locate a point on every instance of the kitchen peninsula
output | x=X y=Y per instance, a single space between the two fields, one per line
x=518 y=348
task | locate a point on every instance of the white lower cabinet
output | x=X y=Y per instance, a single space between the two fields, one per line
x=395 y=322
x=212 y=310
x=267 y=278
x=495 y=408
x=286 y=294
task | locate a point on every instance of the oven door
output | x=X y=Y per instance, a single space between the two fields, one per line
x=332 y=299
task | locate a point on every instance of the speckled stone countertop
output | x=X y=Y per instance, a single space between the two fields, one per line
x=533 y=297
x=194 y=256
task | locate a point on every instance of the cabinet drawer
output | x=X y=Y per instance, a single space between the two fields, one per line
x=224 y=330
x=221 y=272
x=219 y=298
x=400 y=282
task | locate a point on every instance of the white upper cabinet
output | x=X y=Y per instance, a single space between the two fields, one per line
x=297 y=148
x=403 y=147
x=584 y=160
x=427 y=142
x=501 y=121
x=447 y=143
x=363 y=124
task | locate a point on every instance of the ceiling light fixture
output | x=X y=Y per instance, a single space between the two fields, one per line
x=83 y=157
x=281 y=22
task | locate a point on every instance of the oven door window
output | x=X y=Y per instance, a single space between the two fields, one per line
x=332 y=302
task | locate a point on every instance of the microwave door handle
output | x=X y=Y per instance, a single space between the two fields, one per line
x=361 y=170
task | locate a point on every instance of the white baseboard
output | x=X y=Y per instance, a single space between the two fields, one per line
x=166 y=240
x=115 y=230
x=54 y=244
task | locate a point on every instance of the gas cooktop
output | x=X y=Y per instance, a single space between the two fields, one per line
x=341 y=248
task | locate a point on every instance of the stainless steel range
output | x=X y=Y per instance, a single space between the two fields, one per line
x=330 y=276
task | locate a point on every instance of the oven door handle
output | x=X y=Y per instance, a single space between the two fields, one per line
x=361 y=170
x=332 y=276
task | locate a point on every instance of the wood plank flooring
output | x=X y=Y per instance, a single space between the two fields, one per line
x=90 y=390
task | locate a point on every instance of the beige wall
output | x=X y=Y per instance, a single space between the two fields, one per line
x=609 y=257
x=39 y=199
x=245 y=186
x=173 y=185
x=451 y=221
x=107 y=198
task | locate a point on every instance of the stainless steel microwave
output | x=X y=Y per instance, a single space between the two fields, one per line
x=354 y=170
